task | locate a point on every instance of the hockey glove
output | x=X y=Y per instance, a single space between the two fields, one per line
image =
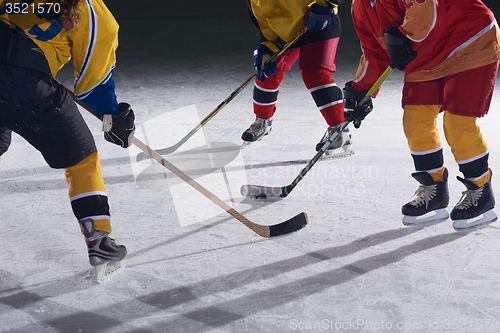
x=399 y=48
x=352 y=110
x=119 y=128
x=5 y=139
x=318 y=17
x=263 y=71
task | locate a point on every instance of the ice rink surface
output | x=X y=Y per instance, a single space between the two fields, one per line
x=194 y=268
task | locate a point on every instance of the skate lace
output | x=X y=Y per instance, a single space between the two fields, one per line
x=469 y=198
x=258 y=125
x=424 y=194
x=328 y=134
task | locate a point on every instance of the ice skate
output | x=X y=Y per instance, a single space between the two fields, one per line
x=104 y=254
x=258 y=131
x=475 y=208
x=430 y=203
x=341 y=147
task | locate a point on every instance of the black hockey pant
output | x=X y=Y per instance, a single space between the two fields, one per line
x=38 y=108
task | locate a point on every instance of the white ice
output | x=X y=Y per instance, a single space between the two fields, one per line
x=353 y=268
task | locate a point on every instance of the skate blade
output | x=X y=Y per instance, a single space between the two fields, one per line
x=432 y=217
x=339 y=153
x=106 y=271
x=262 y=140
x=475 y=222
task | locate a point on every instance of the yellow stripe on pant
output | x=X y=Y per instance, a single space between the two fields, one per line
x=87 y=192
x=468 y=147
x=419 y=124
x=462 y=134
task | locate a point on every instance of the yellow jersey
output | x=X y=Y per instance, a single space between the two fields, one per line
x=92 y=45
x=278 y=21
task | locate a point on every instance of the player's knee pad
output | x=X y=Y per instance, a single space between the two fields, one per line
x=326 y=94
x=467 y=145
x=85 y=176
x=314 y=77
x=419 y=124
x=464 y=136
x=87 y=192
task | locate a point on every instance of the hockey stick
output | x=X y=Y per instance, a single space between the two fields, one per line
x=263 y=192
x=171 y=149
x=293 y=224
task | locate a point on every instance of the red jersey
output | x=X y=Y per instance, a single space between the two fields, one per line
x=450 y=36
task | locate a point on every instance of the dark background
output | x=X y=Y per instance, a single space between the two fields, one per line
x=206 y=33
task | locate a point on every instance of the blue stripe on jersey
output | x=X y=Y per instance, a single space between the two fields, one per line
x=92 y=39
x=102 y=98
x=104 y=81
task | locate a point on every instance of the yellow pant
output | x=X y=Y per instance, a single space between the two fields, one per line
x=87 y=192
x=462 y=134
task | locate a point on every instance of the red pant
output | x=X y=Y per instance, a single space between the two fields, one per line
x=466 y=93
x=317 y=62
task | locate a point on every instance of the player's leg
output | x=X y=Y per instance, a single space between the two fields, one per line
x=467 y=96
x=265 y=96
x=39 y=109
x=431 y=197
x=317 y=62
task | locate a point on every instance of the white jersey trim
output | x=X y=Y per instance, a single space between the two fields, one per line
x=88 y=194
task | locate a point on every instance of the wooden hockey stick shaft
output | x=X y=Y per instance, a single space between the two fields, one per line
x=293 y=224
x=261 y=230
x=173 y=148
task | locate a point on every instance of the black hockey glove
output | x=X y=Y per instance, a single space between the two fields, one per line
x=352 y=110
x=260 y=56
x=119 y=128
x=5 y=139
x=318 y=17
x=399 y=48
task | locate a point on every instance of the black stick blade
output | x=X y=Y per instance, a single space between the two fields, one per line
x=263 y=192
x=294 y=224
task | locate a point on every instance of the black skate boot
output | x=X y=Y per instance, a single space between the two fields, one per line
x=102 y=251
x=258 y=130
x=475 y=208
x=343 y=141
x=430 y=203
